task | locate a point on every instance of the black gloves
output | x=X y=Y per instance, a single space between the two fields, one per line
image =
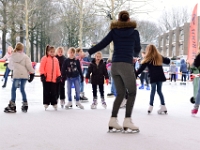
x=59 y=79
x=6 y=64
x=82 y=78
x=31 y=77
x=43 y=78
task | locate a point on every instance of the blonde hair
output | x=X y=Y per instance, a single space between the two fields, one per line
x=78 y=50
x=19 y=47
x=72 y=49
x=100 y=53
x=59 y=49
x=152 y=56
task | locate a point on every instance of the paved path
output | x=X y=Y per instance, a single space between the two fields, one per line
x=86 y=129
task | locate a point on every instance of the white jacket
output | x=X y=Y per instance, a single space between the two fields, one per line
x=21 y=65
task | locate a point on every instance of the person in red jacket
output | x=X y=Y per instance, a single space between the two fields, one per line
x=50 y=75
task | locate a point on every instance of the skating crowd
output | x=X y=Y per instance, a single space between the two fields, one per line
x=122 y=71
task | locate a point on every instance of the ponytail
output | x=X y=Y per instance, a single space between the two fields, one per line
x=47 y=49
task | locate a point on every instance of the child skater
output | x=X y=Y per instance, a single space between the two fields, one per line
x=50 y=76
x=71 y=70
x=153 y=60
x=7 y=71
x=61 y=85
x=172 y=71
x=98 y=72
x=79 y=52
x=22 y=68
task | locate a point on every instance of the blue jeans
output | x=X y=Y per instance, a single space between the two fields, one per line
x=159 y=91
x=113 y=89
x=21 y=84
x=81 y=85
x=76 y=82
x=6 y=74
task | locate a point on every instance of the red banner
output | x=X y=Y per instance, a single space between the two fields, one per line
x=193 y=36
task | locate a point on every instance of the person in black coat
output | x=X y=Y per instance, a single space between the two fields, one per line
x=98 y=73
x=153 y=60
x=61 y=85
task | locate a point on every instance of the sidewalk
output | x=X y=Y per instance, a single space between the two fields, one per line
x=86 y=129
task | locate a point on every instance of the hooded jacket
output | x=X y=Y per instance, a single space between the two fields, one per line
x=183 y=67
x=172 y=69
x=97 y=73
x=21 y=65
x=126 y=42
x=61 y=60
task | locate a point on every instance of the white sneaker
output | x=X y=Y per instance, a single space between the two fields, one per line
x=55 y=107
x=69 y=105
x=46 y=106
x=150 y=109
x=128 y=124
x=162 y=109
x=78 y=104
x=123 y=104
x=113 y=124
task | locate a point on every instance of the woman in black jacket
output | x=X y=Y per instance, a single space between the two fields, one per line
x=98 y=73
x=153 y=60
x=126 y=42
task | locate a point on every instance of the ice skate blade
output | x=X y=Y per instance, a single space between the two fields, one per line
x=68 y=107
x=128 y=130
x=162 y=113
x=10 y=111
x=84 y=101
x=114 y=130
x=79 y=107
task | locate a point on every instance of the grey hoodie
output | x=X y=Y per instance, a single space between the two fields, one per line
x=21 y=65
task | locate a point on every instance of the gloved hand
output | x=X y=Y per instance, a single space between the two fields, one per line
x=82 y=78
x=107 y=81
x=43 y=78
x=86 y=80
x=59 y=79
x=5 y=64
x=31 y=77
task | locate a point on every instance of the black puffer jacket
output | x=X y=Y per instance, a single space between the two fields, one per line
x=197 y=61
x=97 y=73
x=156 y=73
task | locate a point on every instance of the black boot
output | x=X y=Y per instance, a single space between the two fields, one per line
x=24 y=106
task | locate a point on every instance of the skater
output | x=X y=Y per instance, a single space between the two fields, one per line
x=79 y=52
x=112 y=89
x=144 y=76
x=172 y=71
x=197 y=99
x=183 y=70
x=97 y=72
x=61 y=85
x=153 y=60
x=50 y=76
x=71 y=70
x=7 y=71
x=22 y=68
x=126 y=42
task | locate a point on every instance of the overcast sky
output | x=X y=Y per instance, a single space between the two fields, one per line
x=160 y=5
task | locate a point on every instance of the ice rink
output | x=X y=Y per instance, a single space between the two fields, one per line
x=86 y=129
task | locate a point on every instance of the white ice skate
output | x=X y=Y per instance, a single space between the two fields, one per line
x=78 y=104
x=104 y=104
x=113 y=125
x=123 y=104
x=62 y=103
x=94 y=104
x=46 y=106
x=162 y=109
x=128 y=124
x=150 y=109
x=69 y=105
x=55 y=107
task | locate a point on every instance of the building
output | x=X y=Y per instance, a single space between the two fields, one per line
x=175 y=42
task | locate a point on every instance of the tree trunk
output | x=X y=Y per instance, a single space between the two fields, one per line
x=27 y=28
x=37 y=43
x=80 y=42
x=32 y=46
x=4 y=30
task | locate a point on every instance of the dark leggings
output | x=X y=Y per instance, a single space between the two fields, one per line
x=49 y=93
x=144 y=76
x=124 y=77
x=183 y=76
x=173 y=76
x=94 y=90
